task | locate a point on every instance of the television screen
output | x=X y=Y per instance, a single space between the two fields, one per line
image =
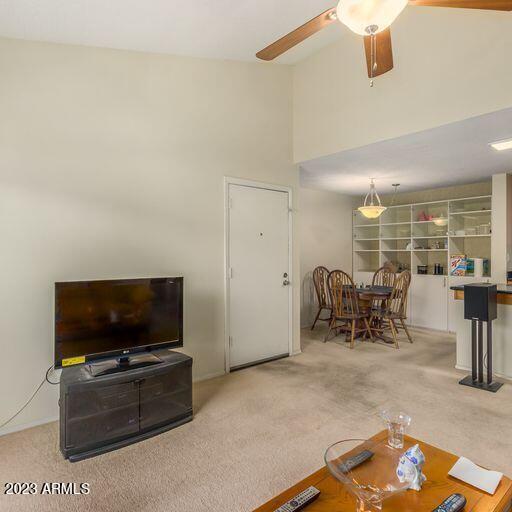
x=99 y=319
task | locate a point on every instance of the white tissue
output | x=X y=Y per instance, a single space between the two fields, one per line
x=476 y=476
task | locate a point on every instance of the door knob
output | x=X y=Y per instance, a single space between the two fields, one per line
x=286 y=282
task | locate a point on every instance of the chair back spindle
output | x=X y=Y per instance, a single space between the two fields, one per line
x=384 y=277
x=343 y=295
x=320 y=275
x=397 y=303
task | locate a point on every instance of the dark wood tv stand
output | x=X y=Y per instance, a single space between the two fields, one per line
x=103 y=413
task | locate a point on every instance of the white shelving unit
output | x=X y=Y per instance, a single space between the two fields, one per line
x=404 y=237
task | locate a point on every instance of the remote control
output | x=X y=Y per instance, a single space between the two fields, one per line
x=300 y=501
x=350 y=464
x=453 y=503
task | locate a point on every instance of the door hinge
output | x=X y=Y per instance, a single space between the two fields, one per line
x=231 y=341
x=230 y=203
x=230 y=273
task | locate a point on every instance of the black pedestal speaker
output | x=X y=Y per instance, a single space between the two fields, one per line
x=480 y=305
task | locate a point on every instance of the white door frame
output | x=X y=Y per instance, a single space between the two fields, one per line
x=266 y=186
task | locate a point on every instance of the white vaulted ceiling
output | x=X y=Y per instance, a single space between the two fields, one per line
x=222 y=29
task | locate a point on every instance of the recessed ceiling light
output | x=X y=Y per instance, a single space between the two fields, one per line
x=501 y=145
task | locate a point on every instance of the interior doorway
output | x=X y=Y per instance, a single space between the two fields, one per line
x=258 y=273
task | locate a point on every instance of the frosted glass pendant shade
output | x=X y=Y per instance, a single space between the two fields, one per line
x=372 y=212
x=372 y=207
x=360 y=15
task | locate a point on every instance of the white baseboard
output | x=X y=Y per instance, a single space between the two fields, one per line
x=427 y=329
x=468 y=369
x=24 y=426
x=209 y=376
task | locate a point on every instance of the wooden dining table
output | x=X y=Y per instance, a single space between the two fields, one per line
x=370 y=293
x=368 y=297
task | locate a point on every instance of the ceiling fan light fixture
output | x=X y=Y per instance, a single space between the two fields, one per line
x=366 y=17
x=372 y=209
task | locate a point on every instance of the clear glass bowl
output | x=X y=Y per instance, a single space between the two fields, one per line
x=374 y=480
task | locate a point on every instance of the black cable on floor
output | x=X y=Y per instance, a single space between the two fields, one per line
x=46 y=379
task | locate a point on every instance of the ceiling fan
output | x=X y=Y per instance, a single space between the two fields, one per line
x=371 y=19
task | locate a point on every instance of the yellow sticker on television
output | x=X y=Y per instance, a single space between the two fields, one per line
x=70 y=361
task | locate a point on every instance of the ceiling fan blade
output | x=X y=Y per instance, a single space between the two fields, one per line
x=490 y=5
x=298 y=35
x=383 y=53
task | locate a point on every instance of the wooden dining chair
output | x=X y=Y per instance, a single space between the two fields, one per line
x=320 y=275
x=395 y=308
x=345 y=306
x=384 y=277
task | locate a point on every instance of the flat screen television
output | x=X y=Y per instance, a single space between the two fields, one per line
x=96 y=320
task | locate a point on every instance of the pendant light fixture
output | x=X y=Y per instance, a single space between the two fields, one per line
x=370 y=208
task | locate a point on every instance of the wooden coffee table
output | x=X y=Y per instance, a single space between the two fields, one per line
x=335 y=497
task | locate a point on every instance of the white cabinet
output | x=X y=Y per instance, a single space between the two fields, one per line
x=428 y=298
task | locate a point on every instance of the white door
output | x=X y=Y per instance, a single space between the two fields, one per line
x=258 y=274
x=429 y=302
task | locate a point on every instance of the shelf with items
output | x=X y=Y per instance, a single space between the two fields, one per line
x=436 y=211
x=430 y=243
x=471 y=247
x=366 y=261
x=431 y=262
x=396 y=215
x=462 y=224
x=426 y=233
x=401 y=260
x=428 y=230
x=471 y=205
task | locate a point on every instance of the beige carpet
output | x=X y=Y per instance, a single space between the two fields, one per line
x=260 y=430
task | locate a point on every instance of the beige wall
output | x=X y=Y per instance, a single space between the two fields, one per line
x=450 y=64
x=112 y=165
x=325 y=239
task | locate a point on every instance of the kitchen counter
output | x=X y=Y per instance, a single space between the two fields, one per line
x=502 y=288
x=504 y=293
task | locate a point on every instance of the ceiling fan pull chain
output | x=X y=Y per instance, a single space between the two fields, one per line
x=373 y=59
x=372 y=31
